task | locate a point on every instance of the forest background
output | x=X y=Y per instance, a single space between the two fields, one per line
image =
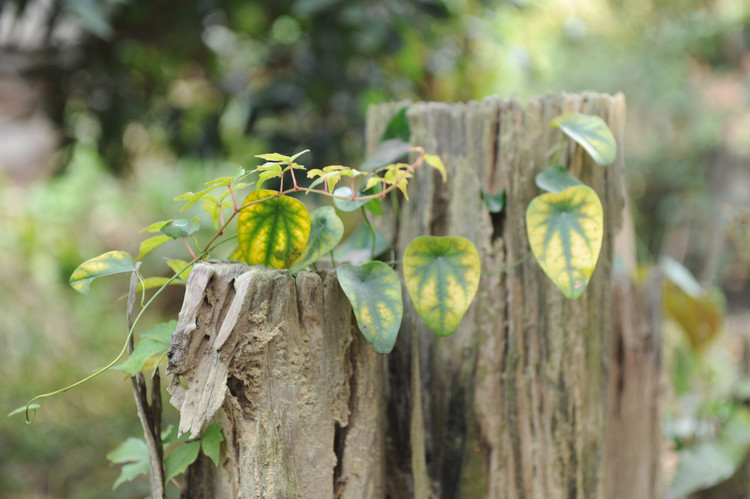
x=110 y=109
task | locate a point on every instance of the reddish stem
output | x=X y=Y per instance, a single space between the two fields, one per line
x=187 y=245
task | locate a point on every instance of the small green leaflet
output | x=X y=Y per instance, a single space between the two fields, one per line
x=326 y=230
x=565 y=232
x=211 y=442
x=179 y=459
x=274 y=231
x=180 y=267
x=31 y=408
x=555 y=178
x=154 y=342
x=374 y=290
x=180 y=228
x=592 y=133
x=133 y=453
x=442 y=277
x=494 y=202
x=150 y=244
x=112 y=262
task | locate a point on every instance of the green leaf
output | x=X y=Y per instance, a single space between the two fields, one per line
x=592 y=133
x=274 y=156
x=358 y=246
x=494 y=202
x=272 y=232
x=180 y=228
x=565 y=232
x=442 y=277
x=214 y=212
x=23 y=408
x=211 y=442
x=225 y=181
x=265 y=176
x=374 y=290
x=556 y=178
x=387 y=152
x=156 y=226
x=295 y=156
x=132 y=449
x=112 y=262
x=131 y=471
x=345 y=205
x=326 y=230
x=157 y=282
x=180 y=266
x=437 y=163
x=150 y=244
x=398 y=127
x=180 y=458
x=154 y=342
x=194 y=197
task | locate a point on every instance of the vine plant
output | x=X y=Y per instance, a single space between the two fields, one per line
x=441 y=274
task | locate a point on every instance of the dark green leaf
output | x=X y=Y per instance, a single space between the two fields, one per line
x=180 y=458
x=211 y=442
x=398 y=127
x=442 y=277
x=494 y=202
x=180 y=228
x=374 y=290
x=555 y=178
x=112 y=262
x=326 y=230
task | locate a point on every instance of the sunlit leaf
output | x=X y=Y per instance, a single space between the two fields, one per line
x=274 y=156
x=211 y=442
x=180 y=458
x=214 y=212
x=272 y=232
x=156 y=226
x=265 y=176
x=592 y=133
x=180 y=228
x=154 y=342
x=112 y=262
x=437 y=163
x=236 y=255
x=130 y=471
x=326 y=230
x=194 y=197
x=220 y=181
x=132 y=449
x=385 y=153
x=295 y=156
x=157 y=282
x=374 y=290
x=150 y=244
x=442 y=277
x=494 y=202
x=556 y=178
x=565 y=232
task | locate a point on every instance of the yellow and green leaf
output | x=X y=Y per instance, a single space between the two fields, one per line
x=565 y=232
x=374 y=290
x=273 y=231
x=326 y=230
x=442 y=277
x=150 y=244
x=592 y=133
x=112 y=262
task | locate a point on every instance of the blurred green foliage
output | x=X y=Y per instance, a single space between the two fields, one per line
x=156 y=97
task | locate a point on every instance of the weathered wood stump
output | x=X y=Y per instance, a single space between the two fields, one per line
x=515 y=404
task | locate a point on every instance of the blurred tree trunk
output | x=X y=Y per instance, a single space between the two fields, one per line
x=512 y=405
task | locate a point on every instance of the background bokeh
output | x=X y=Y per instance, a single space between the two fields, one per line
x=109 y=109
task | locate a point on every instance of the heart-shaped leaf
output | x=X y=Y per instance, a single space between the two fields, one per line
x=374 y=290
x=556 y=178
x=326 y=230
x=211 y=442
x=565 y=232
x=592 y=133
x=442 y=277
x=180 y=228
x=112 y=262
x=274 y=231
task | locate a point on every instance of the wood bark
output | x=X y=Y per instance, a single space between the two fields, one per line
x=515 y=404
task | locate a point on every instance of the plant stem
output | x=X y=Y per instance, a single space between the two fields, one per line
x=556 y=157
x=512 y=266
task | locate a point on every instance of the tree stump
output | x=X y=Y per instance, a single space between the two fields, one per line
x=513 y=405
